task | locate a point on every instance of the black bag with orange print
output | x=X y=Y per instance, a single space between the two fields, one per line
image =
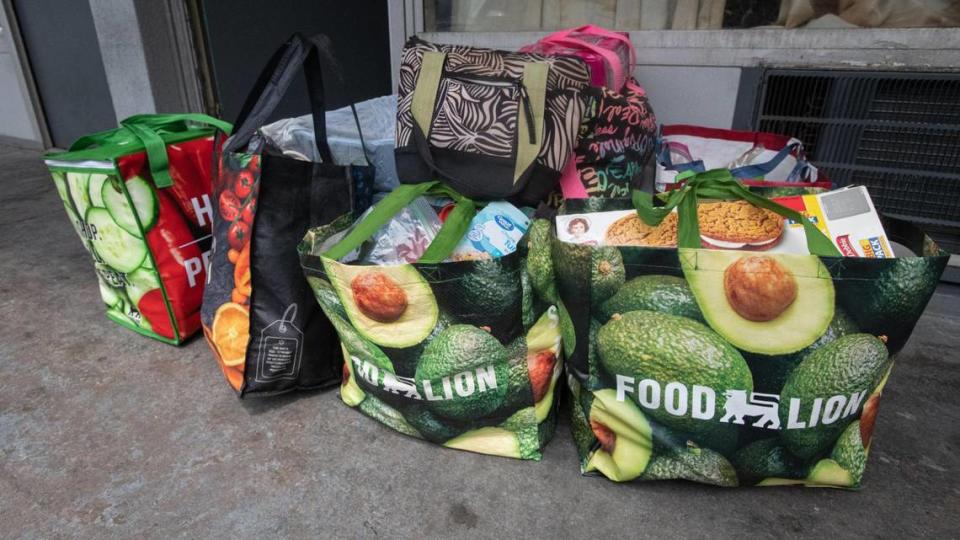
x=258 y=315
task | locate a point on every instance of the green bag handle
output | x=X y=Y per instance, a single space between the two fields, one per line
x=148 y=130
x=453 y=229
x=719 y=184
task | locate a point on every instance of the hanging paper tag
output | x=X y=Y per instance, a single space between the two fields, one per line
x=281 y=345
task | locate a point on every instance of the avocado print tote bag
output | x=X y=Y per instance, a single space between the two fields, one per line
x=733 y=367
x=456 y=353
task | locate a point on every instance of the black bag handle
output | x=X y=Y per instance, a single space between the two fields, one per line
x=298 y=53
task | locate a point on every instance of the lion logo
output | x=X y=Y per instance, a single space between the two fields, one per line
x=763 y=406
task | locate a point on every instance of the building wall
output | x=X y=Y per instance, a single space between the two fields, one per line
x=694 y=76
x=17 y=122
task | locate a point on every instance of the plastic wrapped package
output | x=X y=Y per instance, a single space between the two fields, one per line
x=294 y=137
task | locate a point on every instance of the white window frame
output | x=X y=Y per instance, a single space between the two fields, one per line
x=888 y=48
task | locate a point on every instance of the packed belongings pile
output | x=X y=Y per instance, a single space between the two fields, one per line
x=735 y=326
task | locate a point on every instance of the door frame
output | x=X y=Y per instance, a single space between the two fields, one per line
x=25 y=74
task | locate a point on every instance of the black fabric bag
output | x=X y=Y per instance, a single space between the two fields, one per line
x=259 y=315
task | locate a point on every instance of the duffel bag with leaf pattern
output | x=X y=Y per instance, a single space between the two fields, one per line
x=491 y=124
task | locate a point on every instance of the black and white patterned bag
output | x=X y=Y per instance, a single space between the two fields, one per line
x=491 y=124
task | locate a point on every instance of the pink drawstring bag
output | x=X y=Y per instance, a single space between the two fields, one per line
x=620 y=130
x=609 y=54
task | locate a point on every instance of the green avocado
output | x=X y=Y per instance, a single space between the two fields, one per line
x=746 y=297
x=535 y=354
x=540 y=261
x=374 y=312
x=524 y=424
x=326 y=297
x=527 y=306
x=568 y=331
x=429 y=425
x=891 y=301
x=496 y=441
x=369 y=367
x=849 y=452
x=387 y=415
x=768 y=458
x=405 y=359
x=692 y=463
x=572 y=266
x=484 y=293
x=463 y=373
x=671 y=349
x=580 y=401
x=828 y=472
x=350 y=391
x=607 y=273
x=663 y=294
x=852 y=364
x=623 y=434
x=770 y=372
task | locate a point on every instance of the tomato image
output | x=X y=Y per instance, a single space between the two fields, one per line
x=229 y=206
x=238 y=234
x=249 y=210
x=243 y=185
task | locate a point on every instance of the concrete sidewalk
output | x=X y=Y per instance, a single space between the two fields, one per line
x=104 y=433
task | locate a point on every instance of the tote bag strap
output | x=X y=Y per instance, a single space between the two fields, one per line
x=453 y=229
x=149 y=130
x=720 y=184
x=298 y=54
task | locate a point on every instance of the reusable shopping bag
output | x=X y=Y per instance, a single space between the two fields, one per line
x=491 y=124
x=733 y=367
x=684 y=150
x=458 y=353
x=616 y=139
x=139 y=198
x=618 y=132
x=259 y=316
x=610 y=55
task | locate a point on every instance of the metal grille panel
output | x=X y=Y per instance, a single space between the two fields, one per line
x=897 y=133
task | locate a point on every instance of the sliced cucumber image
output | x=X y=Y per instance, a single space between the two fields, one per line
x=140 y=282
x=60 y=180
x=95 y=188
x=145 y=202
x=109 y=295
x=119 y=249
x=75 y=221
x=78 y=184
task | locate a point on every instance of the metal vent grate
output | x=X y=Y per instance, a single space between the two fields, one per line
x=897 y=133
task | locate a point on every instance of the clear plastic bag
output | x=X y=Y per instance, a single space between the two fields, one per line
x=404 y=238
x=294 y=138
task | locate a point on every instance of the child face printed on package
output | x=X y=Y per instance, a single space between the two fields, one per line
x=579 y=230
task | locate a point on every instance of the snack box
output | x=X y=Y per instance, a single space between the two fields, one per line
x=846 y=215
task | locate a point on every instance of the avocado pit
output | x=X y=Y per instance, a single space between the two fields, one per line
x=378 y=296
x=605 y=436
x=540 y=369
x=759 y=288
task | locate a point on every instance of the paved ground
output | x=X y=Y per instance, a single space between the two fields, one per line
x=107 y=434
